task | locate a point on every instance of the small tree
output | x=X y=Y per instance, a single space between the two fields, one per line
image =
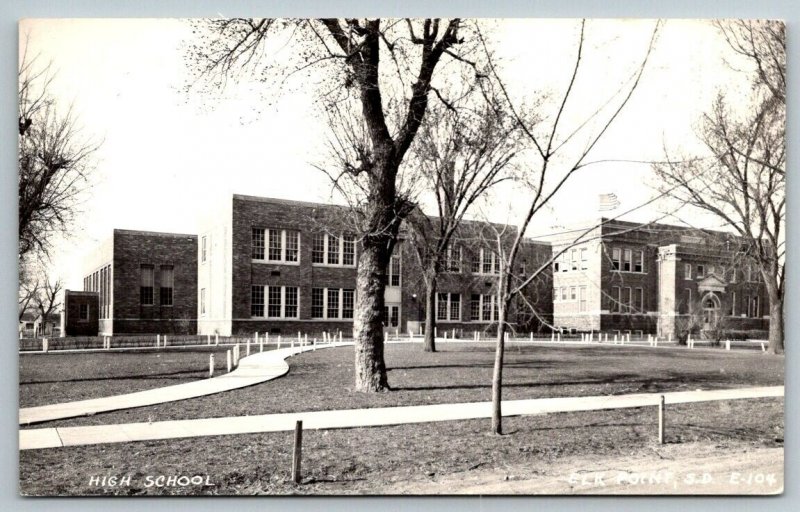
x=48 y=300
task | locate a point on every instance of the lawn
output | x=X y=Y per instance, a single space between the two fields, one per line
x=54 y=378
x=457 y=373
x=375 y=460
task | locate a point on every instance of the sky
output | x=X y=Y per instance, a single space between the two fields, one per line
x=167 y=156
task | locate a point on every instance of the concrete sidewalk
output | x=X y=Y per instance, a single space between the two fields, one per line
x=253 y=369
x=99 y=434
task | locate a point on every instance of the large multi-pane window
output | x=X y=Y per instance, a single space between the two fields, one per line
x=317 y=303
x=391 y=316
x=753 y=309
x=627 y=263
x=626 y=300
x=475 y=307
x=486 y=262
x=348 y=303
x=282 y=245
x=329 y=249
x=393 y=276
x=348 y=250
x=616 y=257
x=448 y=306
x=274 y=301
x=146 y=286
x=615 y=299
x=258 y=244
x=333 y=303
x=687 y=271
x=484 y=308
x=333 y=250
x=574 y=259
x=167 y=285
x=584 y=259
x=453 y=259
x=638 y=300
x=281 y=301
x=256 y=301
x=638 y=261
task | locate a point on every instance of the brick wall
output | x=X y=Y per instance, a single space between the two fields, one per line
x=72 y=324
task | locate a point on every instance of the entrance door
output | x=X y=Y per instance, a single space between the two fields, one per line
x=391 y=317
x=710 y=312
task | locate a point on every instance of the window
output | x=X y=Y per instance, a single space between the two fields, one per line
x=563 y=293
x=273 y=301
x=333 y=250
x=258 y=244
x=281 y=301
x=487 y=259
x=391 y=316
x=317 y=303
x=584 y=259
x=475 y=262
x=616 y=255
x=318 y=248
x=582 y=303
x=448 y=306
x=573 y=293
x=203 y=250
x=688 y=298
x=292 y=245
x=701 y=271
x=733 y=304
x=393 y=277
x=687 y=271
x=574 y=257
x=202 y=301
x=348 y=250
x=615 y=299
x=256 y=301
x=146 y=286
x=282 y=245
x=475 y=307
x=626 y=264
x=626 y=300
x=753 y=307
x=333 y=303
x=167 y=284
x=638 y=262
x=84 y=312
x=348 y=300
x=453 y=259
x=638 y=300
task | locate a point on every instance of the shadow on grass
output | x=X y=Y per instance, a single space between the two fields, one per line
x=182 y=375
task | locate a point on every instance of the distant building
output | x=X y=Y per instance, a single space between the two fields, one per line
x=146 y=283
x=655 y=278
x=81 y=313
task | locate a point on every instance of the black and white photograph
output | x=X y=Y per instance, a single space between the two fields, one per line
x=401 y=256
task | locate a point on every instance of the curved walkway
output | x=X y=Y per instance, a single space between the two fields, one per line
x=98 y=434
x=253 y=369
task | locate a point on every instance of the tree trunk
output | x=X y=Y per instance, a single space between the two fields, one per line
x=430 y=316
x=370 y=368
x=775 y=319
x=497 y=377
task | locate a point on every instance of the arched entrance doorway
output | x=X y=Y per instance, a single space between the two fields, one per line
x=711 y=311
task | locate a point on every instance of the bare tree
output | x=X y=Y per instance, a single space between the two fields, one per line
x=463 y=150
x=378 y=74
x=741 y=178
x=47 y=300
x=54 y=160
x=544 y=178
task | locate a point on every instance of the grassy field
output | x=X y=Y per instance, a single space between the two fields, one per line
x=458 y=373
x=376 y=460
x=54 y=378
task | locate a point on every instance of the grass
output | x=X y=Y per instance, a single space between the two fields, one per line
x=358 y=461
x=54 y=378
x=457 y=373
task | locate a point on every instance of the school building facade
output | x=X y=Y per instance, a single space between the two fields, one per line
x=655 y=279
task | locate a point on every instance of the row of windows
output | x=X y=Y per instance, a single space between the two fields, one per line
x=627 y=300
x=147 y=285
x=750 y=305
x=328 y=249
x=572 y=260
x=332 y=303
x=393 y=272
x=279 y=245
x=571 y=294
x=483 y=261
x=702 y=270
x=100 y=282
x=281 y=301
x=627 y=260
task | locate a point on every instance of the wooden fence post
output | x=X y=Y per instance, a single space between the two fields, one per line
x=297 y=452
x=211 y=365
x=228 y=354
x=661 y=419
